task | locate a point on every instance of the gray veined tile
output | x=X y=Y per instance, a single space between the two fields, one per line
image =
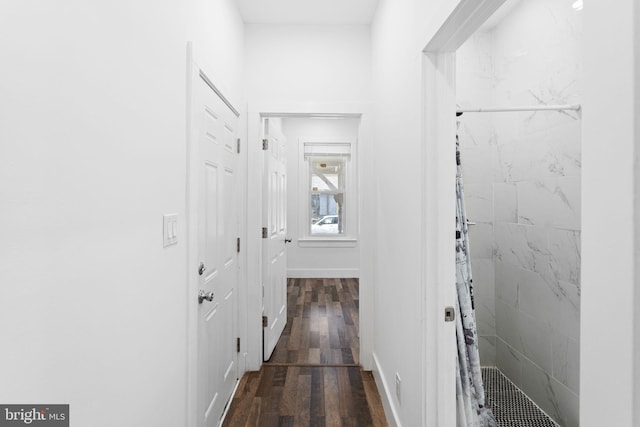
x=565 y=315
x=479 y=202
x=558 y=150
x=566 y=361
x=536 y=341
x=509 y=361
x=508 y=326
x=503 y=163
x=507 y=283
x=487 y=345
x=484 y=277
x=485 y=315
x=565 y=254
x=481 y=241
x=504 y=203
x=551 y=202
x=474 y=132
x=537 y=384
x=540 y=296
x=476 y=165
x=547 y=154
x=553 y=397
x=523 y=246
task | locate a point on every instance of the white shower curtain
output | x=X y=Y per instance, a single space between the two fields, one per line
x=470 y=397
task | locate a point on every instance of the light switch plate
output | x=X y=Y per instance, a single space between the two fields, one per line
x=170 y=229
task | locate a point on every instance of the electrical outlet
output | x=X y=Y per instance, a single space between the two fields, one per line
x=398 y=384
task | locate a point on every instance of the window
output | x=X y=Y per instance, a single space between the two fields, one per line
x=329 y=192
x=327 y=195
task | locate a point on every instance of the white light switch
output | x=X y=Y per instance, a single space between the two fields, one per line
x=170 y=229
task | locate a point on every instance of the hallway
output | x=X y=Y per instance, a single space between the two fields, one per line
x=313 y=377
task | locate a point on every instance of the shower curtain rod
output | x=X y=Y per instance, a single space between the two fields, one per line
x=575 y=107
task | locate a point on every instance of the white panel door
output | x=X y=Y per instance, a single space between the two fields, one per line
x=217 y=253
x=274 y=245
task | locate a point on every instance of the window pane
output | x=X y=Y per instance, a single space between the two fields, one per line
x=327 y=194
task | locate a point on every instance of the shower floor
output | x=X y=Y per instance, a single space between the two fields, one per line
x=510 y=406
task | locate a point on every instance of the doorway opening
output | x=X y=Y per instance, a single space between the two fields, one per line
x=320 y=146
x=441 y=56
x=314 y=371
x=310 y=209
x=519 y=129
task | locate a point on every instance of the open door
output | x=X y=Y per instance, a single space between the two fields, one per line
x=274 y=259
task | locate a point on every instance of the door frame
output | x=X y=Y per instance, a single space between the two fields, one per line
x=255 y=170
x=194 y=70
x=438 y=205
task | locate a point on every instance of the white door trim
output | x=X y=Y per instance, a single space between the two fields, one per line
x=438 y=205
x=255 y=112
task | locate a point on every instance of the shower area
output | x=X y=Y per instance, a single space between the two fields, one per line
x=522 y=183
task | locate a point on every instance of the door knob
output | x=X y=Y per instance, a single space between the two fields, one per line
x=202 y=295
x=201 y=269
x=287 y=240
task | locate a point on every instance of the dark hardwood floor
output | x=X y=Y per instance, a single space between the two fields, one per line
x=322 y=323
x=313 y=377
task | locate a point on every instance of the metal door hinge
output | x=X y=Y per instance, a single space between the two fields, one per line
x=238 y=245
x=449 y=314
x=238 y=144
x=265 y=232
x=265 y=321
x=238 y=345
x=265 y=144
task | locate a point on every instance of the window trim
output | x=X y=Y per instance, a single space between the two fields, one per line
x=351 y=226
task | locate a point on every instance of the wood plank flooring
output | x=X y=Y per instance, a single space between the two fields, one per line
x=313 y=377
x=322 y=323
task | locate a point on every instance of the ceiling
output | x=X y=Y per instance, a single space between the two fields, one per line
x=307 y=11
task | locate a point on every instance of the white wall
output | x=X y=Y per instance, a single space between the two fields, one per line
x=303 y=260
x=308 y=63
x=397 y=195
x=609 y=314
x=92 y=154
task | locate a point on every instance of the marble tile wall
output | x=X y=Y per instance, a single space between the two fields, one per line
x=529 y=214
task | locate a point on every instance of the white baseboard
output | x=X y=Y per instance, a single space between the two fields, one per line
x=390 y=410
x=323 y=273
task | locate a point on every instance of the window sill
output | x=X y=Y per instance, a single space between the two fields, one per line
x=328 y=242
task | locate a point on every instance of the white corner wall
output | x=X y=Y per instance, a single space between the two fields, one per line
x=92 y=154
x=609 y=344
x=317 y=261
x=398 y=187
